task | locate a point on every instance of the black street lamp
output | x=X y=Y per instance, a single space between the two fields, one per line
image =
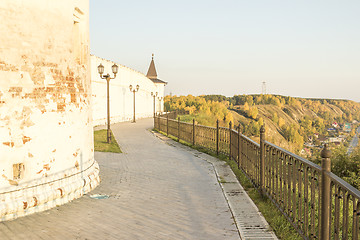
x=154 y=96
x=114 y=69
x=134 y=90
x=160 y=98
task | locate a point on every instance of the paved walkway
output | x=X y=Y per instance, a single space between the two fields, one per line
x=157 y=190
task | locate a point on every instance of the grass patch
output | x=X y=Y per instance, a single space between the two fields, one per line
x=101 y=145
x=281 y=226
x=222 y=180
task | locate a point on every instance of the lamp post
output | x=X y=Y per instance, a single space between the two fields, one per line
x=134 y=90
x=160 y=98
x=154 y=95
x=114 y=69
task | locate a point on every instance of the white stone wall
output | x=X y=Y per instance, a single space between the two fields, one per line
x=121 y=99
x=46 y=136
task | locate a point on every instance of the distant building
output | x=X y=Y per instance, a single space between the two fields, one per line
x=336 y=140
x=347 y=127
x=305 y=152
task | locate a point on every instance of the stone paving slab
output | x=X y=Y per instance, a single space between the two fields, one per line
x=249 y=220
x=155 y=191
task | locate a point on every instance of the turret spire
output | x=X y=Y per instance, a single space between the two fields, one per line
x=152 y=70
x=152 y=74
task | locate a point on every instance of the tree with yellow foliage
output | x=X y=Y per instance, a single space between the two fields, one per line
x=246 y=107
x=253 y=112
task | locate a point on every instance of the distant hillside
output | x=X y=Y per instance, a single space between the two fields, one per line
x=290 y=122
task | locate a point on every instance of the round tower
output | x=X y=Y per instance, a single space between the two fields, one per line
x=46 y=135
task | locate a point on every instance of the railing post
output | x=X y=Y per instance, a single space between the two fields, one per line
x=193 y=137
x=262 y=159
x=230 y=127
x=178 y=129
x=217 y=137
x=159 y=122
x=154 y=119
x=238 y=152
x=325 y=193
x=167 y=124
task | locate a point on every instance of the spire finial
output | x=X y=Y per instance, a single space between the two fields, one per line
x=152 y=56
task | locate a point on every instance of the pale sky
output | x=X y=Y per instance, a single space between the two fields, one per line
x=301 y=48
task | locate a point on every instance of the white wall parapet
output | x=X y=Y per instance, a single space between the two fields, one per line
x=121 y=98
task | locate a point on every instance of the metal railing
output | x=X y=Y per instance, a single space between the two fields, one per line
x=315 y=201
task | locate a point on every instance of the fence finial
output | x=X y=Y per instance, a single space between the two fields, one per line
x=326 y=152
x=262 y=129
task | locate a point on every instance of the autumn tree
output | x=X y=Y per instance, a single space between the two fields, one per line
x=246 y=107
x=253 y=112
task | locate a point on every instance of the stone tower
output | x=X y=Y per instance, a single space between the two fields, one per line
x=46 y=139
x=152 y=75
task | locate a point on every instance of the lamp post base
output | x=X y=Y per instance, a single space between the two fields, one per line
x=108 y=136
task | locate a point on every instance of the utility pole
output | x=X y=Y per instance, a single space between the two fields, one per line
x=263 y=88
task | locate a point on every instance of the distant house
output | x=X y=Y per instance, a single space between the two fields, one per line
x=335 y=140
x=347 y=127
x=309 y=145
x=305 y=152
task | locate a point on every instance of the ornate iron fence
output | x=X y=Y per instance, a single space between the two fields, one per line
x=318 y=204
x=206 y=137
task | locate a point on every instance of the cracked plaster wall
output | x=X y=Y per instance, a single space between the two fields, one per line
x=45 y=91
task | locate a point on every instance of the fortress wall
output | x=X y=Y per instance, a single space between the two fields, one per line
x=121 y=99
x=46 y=136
